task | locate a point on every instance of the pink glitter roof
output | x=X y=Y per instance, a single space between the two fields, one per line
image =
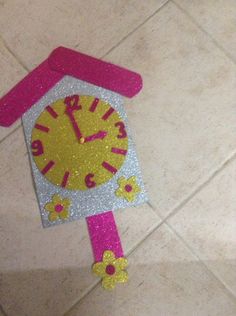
x=61 y=62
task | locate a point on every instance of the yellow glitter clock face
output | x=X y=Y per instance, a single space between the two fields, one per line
x=79 y=142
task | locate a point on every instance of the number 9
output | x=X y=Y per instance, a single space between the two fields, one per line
x=37 y=148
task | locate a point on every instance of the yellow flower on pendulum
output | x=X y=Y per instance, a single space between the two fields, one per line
x=111 y=270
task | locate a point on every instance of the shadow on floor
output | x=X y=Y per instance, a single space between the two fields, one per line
x=159 y=288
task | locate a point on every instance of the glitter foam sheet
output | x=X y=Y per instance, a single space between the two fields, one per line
x=95 y=200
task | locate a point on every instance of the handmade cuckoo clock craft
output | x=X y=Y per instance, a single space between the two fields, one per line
x=81 y=151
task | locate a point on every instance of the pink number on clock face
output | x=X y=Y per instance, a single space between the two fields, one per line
x=104 y=123
x=122 y=131
x=89 y=182
x=37 y=148
x=65 y=179
x=72 y=101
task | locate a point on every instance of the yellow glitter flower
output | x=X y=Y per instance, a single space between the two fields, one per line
x=111 y=270
x=57 y=208
x=128 y=188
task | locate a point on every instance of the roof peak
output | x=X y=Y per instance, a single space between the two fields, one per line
x=64 y=61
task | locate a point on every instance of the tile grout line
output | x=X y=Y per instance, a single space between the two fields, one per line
x=129 y=34
x=184 y=202
x=82 y=297
x=214 y=41
x=12 y=132
x=199 y=188
x=135 y=29
x=154 y=228
x=2 y=140
x=125 y=37
x=202 y=261
x=16 y=58
x=175 y=210
x=13 y=54
x=2 y=310
x=135 y=247
x=76 y=46
x=189 y=198
x=165 y=221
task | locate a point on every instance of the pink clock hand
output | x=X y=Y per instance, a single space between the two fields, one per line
x=99 y=135
x=69 y=111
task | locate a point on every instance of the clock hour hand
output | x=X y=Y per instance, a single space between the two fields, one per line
x=99 y=135
x=69 y=111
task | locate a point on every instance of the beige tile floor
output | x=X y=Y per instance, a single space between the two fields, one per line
x=182 y=245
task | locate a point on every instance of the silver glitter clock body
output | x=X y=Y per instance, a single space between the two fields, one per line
x=95 y=200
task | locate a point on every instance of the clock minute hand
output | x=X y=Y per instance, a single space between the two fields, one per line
x=99 y=135
x=69 y=111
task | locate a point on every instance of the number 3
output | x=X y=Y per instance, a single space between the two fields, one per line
x=122 y=131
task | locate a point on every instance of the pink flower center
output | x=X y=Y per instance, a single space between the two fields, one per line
x=58 y=208
x=128 y=188
x=110 y=269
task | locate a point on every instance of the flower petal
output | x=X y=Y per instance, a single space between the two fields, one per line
x=136 y=189
x=49 y=207
x=64 y=214
x=121 y=277
x=120 y=192
x=108 y=257
x=132 y=181
x=99 y=269
x=130 y=197
x=53 y=216
x=66 y=203
x=121 y=181
x=121 y=264
x=108 y=282
x=56 y=199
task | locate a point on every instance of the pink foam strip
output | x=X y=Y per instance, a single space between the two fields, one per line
x=104 y=235
x=108 y=114
x=119 y=151
x=94 y=105
x=109 y=167
x=51 y=111
x=64 y=61
x=65 y=179
x=48 y=167
x=27 y=92
x=96 y=71
x=42 y=128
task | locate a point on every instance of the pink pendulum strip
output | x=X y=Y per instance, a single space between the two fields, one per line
x=104 y=235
